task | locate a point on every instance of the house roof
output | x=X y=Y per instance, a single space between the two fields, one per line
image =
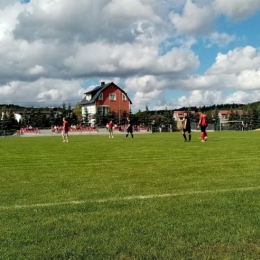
x=181 y=113
x=178 y=113
x=224 y=112
x=97 y=91
x=227 y=112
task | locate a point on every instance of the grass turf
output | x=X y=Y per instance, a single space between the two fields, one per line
x=154 y=197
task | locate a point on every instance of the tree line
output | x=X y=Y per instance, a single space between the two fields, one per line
x=46 y=117
x=34 y=117
x=144 y=118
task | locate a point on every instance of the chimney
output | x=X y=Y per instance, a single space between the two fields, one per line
x=102 y=83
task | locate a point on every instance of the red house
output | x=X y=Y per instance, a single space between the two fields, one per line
x=108 y=97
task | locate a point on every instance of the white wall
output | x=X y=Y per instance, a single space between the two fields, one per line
x=18 y=117
x=91 y=110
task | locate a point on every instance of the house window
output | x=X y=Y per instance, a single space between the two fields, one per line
x=112 y=97
x=104 y=110
x=88 y=97
x=123 y=97
x=100 y=97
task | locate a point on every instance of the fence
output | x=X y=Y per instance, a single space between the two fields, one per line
x=223 y=126
x=6 y=133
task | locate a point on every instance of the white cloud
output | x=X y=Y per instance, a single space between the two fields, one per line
x=129 y=10
x=142 y=99
x=9 y=12
x=6 y=3
x=127 y=59
x=194 y=20
x=49 y=92
x=242 y=97
x=145 y=84
x=227 y=73
x=201 y=98
x=221 y=39
x=237 y=9
x=49 y=47
x=87 y=21
x=249 y=79
x=36 y=70
x=244 y=80
x=46 y=42
x=236 y=61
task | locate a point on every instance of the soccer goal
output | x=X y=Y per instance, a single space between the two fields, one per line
x=236 y=125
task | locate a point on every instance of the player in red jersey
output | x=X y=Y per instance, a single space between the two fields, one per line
x=65 y=130
x=110 y=129
x=203 y=123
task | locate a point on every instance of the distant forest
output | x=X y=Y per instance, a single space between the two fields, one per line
x=45 y=117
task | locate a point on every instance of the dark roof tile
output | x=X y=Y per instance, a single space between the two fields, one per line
x=96 y=92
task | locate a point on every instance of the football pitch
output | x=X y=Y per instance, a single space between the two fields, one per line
x=154 y=197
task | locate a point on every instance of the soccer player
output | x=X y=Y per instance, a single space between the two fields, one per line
x=65 y=130
x=186 y=127
x=129 y=128
x=110 y=129
x=203 y=123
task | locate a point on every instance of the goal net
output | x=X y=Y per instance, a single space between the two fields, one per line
x=236 y=125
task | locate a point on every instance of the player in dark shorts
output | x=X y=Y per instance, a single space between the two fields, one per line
x=186 y=127
x=203 y=123
x=129 y=128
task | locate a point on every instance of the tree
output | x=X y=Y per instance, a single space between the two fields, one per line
x=124 y=116
x=232 y=115
x=215 y=119
x=166 y=117
x=4 y=121
x=64 y=110
x=40 y=118
x=254 y=119
x=31 y=119
x=25 y=118
x=98 y=116
x=146 y=116
x=174 y=124
x=247 y=118
x=78 y=112
x=258 y=118
x=72 y=119
x=86 y=116
x=112 y=115
x=12 y=123
x=209 y=117
x=51 y=118
x=157 y=119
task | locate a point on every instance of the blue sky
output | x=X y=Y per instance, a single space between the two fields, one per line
x=168 y=53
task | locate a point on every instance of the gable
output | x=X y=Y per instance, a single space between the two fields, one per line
x=92 y=96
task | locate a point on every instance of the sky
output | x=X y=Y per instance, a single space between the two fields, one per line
x=162 y=53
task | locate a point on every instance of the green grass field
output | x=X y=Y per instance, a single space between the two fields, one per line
x=154 y=197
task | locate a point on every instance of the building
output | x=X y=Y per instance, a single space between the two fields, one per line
x=107 y=97
x=224 y=115
x=179 y=116
x=16 y=116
